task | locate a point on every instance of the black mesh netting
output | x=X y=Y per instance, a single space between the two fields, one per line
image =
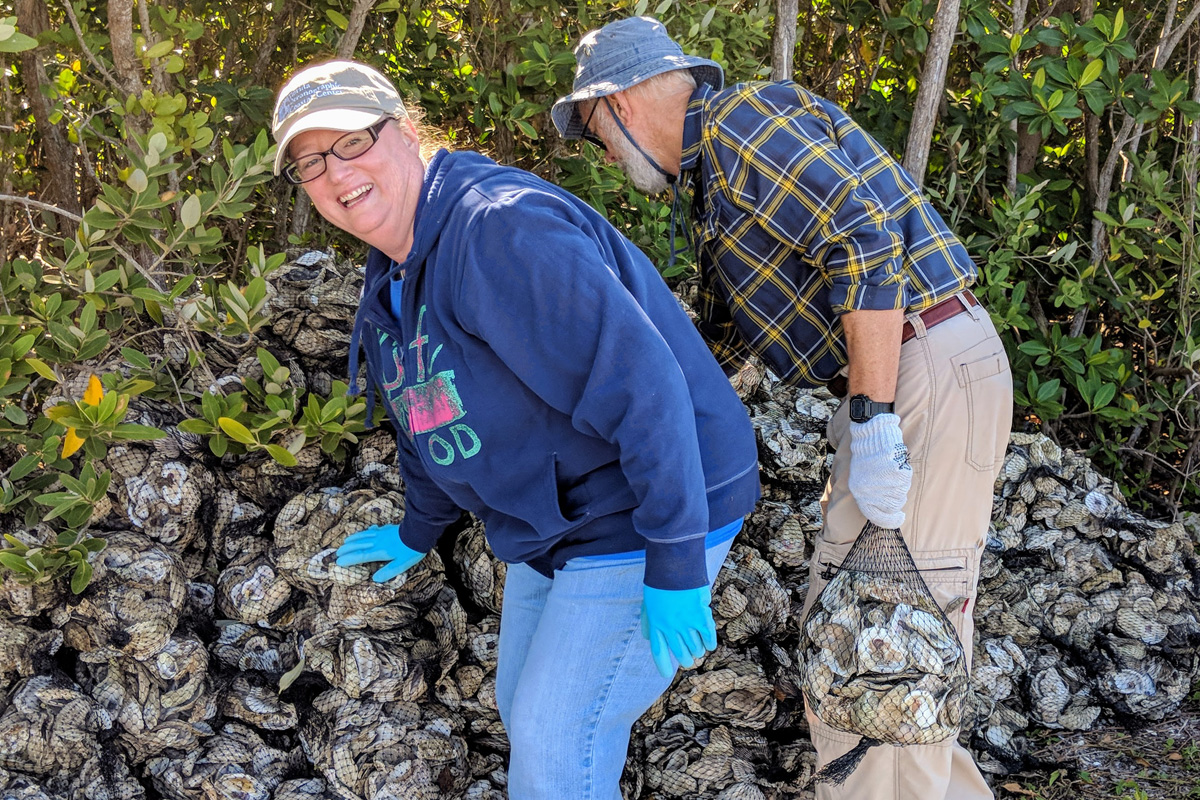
x=880 y=658
x=219 y=652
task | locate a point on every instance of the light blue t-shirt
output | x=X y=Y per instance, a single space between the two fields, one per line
x=397 y=293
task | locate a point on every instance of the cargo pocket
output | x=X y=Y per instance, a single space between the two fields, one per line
x=983 y=373
x=949 y=576
x=823 y=564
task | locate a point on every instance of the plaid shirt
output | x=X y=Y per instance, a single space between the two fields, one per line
x=800 y=217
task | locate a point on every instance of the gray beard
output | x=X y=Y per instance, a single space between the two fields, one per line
x=641 y=173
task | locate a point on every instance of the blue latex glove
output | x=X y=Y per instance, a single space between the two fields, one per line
x=880 y=475
x=378 y=543
x=678 y=623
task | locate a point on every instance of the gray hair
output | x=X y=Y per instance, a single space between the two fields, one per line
x=663 y=84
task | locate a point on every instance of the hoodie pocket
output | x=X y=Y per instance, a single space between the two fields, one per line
x=553 y=510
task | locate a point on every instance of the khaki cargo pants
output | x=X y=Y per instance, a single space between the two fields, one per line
x=954 y=399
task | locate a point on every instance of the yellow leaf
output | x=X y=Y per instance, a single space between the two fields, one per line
x=95 y=392
x=71 y=443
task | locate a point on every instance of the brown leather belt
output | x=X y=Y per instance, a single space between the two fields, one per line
x=936 y=314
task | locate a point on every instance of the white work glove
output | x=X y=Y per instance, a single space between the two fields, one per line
x=880 y=475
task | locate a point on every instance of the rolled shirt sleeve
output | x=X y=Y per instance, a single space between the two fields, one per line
x=790 y=177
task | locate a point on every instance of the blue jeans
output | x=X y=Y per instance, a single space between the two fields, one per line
x=575 y=673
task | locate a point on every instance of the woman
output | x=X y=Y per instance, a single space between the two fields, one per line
x=541 y=376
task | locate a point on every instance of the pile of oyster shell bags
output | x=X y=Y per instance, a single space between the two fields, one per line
x=219 y=652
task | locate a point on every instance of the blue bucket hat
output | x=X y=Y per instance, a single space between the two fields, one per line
x=620 y=55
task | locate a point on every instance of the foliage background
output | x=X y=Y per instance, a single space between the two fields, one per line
x=139 y=220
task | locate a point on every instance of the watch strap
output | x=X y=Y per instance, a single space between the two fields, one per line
x=863 y=408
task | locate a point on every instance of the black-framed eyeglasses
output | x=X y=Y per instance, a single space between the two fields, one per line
x=587 y=134
x=312 y=165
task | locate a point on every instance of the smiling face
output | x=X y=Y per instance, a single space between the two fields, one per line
x=374 y=196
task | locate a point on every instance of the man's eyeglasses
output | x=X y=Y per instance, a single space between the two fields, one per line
x=587 y=134
x=352 y=145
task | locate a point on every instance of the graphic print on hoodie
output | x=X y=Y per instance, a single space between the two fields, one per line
x=432 y=404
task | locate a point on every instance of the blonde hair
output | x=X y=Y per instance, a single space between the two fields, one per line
x=431 y=138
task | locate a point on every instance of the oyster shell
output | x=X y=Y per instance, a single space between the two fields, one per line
x=132 y=605
x=234 y=763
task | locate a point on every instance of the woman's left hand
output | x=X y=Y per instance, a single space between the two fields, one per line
x=678 y=623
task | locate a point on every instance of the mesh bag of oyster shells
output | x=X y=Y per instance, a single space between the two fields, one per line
x=880 y=658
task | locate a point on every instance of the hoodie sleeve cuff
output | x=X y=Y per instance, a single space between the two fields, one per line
x=676 y=565
x=420 y=537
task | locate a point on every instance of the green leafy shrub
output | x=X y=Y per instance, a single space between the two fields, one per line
x=247 y=421
x=163 y=252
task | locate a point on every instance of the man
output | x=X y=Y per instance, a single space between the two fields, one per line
x=818 y=254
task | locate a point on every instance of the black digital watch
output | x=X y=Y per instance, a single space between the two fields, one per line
x=862 y=408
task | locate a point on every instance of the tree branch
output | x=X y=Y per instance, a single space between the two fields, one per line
x=1173 y=372
x=933 y=86
x=159 y=75
x=186 y=332
x=1104 y=187
x=1168 y=40
x=262 y=59
x=62 y=212
x=87 y=51
x=354 y=28
x=1165 y=50
x=38 y=204
x=1149 y=458
x=783 y=39
x=1018 y=26
x=120 y=38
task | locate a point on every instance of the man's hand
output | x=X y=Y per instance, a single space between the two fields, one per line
x=679 y=623
x=880 y=475
x=378 y=543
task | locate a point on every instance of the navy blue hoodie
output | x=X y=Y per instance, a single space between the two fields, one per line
x=543 y=377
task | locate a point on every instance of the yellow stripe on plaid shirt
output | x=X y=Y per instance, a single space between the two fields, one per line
x=803 y=217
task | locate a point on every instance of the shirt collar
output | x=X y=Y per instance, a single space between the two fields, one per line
x=691 y=127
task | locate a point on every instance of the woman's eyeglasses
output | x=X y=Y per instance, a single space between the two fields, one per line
x=352 y=145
